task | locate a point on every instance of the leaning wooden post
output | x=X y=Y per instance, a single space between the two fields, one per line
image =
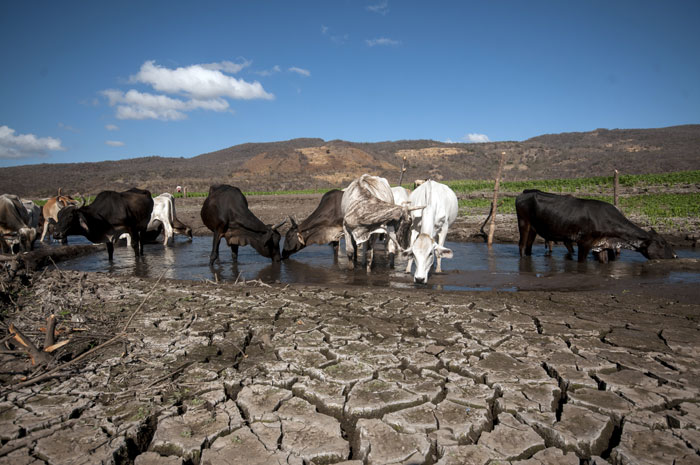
x=492 y=225
x=184 y=192
x=616 y=186
x=403 y=169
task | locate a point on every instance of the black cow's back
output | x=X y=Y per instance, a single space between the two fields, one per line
x=129 y=208
x=227 y=207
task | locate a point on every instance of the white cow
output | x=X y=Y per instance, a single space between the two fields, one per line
x=368 y=209
x=33 y=213
x=429 y=228
x=401 y=197
x=163 y=215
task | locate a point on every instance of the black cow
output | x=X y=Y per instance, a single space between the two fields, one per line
x=109 y=215
x=594 y=226
x=225 y=212
x=324 y=225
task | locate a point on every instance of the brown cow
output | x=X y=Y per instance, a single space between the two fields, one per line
x=51 y=208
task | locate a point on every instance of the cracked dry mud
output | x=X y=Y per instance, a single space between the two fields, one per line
x=233 y=374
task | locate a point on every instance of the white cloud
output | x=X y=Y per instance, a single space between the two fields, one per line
x=227 y=66
x=381 y=8
x=25 y=145
x=111 y=127
x=476 y=138
x=303 y=72
x=269 y=72
x=140 y=105
x=114 y=143
x=199 y=82
x=382 y=41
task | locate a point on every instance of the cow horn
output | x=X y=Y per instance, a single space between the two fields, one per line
x=59 y=192
x=416 y=208
x=82 y=200
x=292 y=222
x=279 y=224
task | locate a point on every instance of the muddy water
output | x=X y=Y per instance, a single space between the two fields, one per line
x=474 y=267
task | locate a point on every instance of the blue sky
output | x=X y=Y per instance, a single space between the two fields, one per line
x=91 y=81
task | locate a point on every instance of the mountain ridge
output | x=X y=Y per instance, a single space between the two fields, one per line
x=304 y=163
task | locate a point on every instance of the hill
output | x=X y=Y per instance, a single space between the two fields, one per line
x=315 y=163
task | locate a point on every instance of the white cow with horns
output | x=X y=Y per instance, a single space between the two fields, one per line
x=368 y=209
x=429 y=228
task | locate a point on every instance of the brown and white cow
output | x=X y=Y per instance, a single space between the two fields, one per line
x=51 y=208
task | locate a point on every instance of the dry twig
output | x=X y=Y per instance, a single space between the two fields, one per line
x=119 y=335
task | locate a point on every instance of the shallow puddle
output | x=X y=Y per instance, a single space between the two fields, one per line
x=474 y=267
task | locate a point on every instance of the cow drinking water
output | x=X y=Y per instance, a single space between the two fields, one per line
x=594 y=226
x=225 y=212
x=429 y=228
x=324 y=225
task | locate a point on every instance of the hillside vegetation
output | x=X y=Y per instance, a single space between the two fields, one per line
x=318 y=164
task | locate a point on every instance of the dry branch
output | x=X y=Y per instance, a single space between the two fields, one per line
x=123 y=333
x=37 y=356
x=50 y=338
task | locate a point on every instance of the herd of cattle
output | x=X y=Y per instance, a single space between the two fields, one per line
x=415 y=223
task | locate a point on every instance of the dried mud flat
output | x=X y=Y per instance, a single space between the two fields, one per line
x=251 y=374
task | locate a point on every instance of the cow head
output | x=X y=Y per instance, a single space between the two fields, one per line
x=402 y=226
x=71 y=221
x=656 y=247
x=270 y=246
x=424 y=250
x=293 y=240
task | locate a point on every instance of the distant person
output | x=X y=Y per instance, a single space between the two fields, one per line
x=178 y=188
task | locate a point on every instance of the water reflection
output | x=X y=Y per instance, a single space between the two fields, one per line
x=474 y=267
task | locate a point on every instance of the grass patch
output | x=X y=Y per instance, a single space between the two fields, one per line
x=659 y=208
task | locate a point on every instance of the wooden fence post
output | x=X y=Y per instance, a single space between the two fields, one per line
x=492 y=225
x=403 y=169
x=616 y=186
x=184 y=192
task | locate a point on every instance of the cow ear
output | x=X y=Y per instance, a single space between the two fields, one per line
x=443 y=252
x=300 y=238
x=83 y=223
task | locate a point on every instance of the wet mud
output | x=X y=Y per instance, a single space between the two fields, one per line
x=235 y=368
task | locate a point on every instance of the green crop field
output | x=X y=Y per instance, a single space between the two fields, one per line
x=658 y=207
